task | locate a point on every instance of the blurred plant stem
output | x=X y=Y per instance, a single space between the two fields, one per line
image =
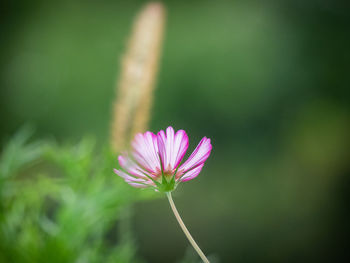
x=131 y=112
x=185 y=230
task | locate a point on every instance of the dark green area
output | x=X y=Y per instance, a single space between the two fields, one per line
x=267 y=81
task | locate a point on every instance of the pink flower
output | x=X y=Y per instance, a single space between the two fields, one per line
x=155 y=160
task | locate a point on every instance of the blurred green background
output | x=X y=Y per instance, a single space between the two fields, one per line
x=267 y=81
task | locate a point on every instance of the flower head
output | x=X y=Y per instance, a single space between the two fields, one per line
x=155 y=160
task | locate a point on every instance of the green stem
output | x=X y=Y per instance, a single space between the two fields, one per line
x=183 y=227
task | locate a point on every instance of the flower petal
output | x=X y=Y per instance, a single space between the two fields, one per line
x=180 y=147
x=172 y=147
x=137 y=185
x=136 y=182
x=131 y=167
x=198 y=157
x=145 y=151
x=161 y=141
x=127 y=177
x=192 y=173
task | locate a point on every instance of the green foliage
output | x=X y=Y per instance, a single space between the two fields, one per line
x=64 y=204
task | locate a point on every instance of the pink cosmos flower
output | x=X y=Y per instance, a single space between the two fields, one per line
x=155 y=160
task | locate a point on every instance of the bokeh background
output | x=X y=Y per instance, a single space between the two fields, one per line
x=267 y=81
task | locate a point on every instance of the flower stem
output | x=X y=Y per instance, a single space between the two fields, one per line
x=187 y=233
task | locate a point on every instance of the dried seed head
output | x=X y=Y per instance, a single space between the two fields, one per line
x=135 y=88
